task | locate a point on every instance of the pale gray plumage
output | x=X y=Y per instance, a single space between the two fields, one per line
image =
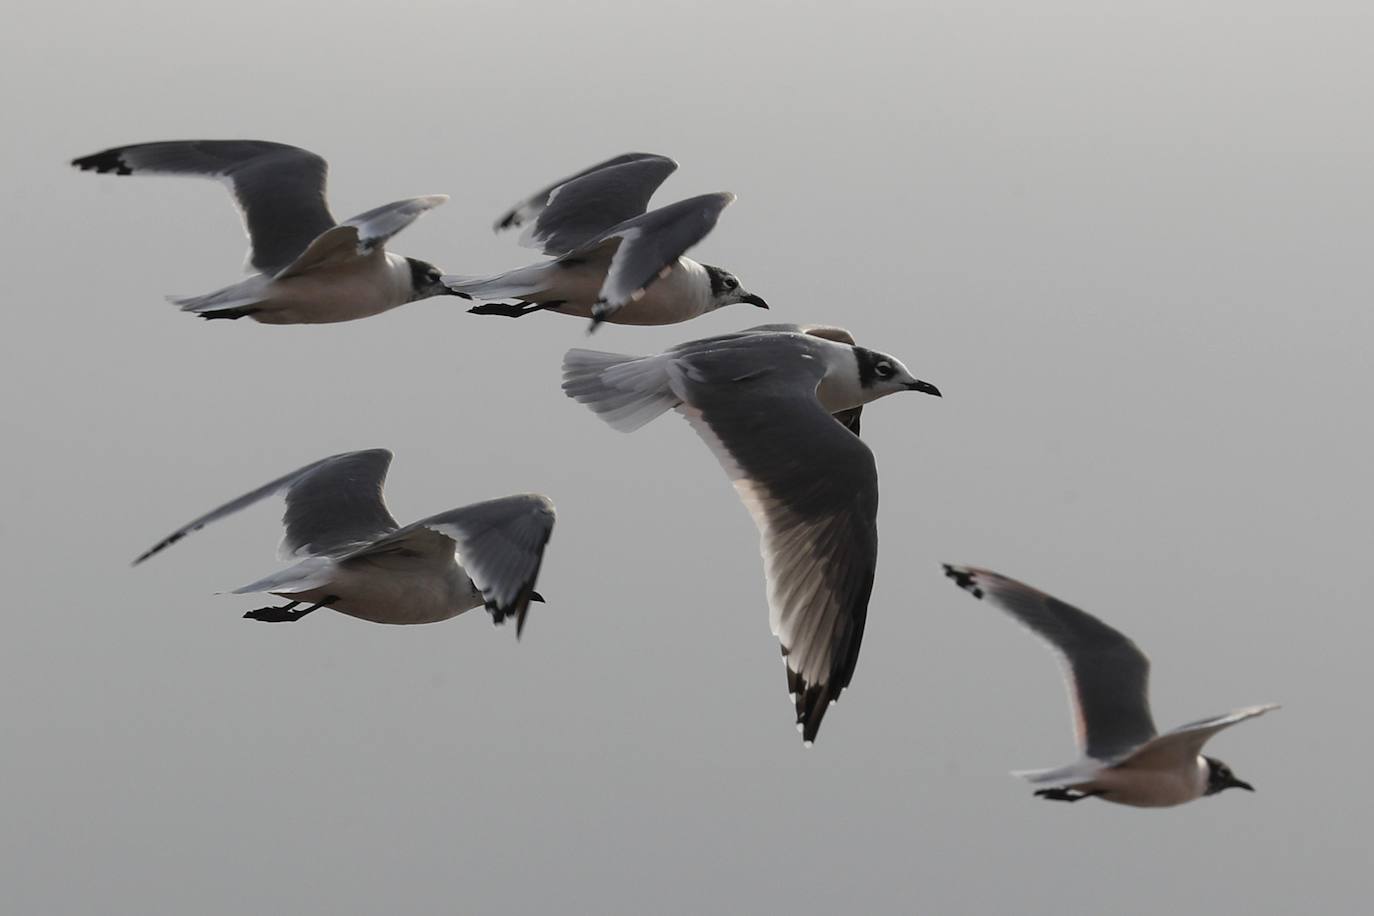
x=310 y=269
x=279 y=189
x=1124 y=759
x=764 y=401
x=339 y=529
x=568 y=213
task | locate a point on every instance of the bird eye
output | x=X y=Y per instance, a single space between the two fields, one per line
x=731 y=283
x=884 y=370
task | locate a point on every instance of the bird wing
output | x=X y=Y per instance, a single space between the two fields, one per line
x=1180 y=746
x=642 y=249
x=849 y=419
x=1108 y=675
x=378 y=225
x=279 y=189
x=580 y=207
x=360 y=235
x=500 y=544
x=812 y=489
x=332 y=506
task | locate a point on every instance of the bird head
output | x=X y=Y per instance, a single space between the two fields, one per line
x=1220 y=778
x=725 y=289
x=426 y=280
x=880 y=374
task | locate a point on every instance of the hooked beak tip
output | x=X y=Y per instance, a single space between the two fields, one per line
x=753 y=300
x=924 y=388
x=1240 y=784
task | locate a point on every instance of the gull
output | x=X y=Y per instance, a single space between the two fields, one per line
x=309 y=269
x=1124 y=759
x=766 y=401
x=353 y=558
x=612 y=261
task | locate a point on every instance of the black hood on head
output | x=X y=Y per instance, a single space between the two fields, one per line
x=717 y=277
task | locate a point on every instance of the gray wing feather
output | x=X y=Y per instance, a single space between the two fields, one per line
x=378 y=225
x=648 y=246
x=331 y=505
x=500 y=544
x=1181 y=745
x=279 y=189
x=1108 y=674
x=569 y=212
x=360 y=235
x=812 y=488
x=850 y=419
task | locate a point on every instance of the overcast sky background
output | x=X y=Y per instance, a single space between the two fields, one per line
x=1129 y=243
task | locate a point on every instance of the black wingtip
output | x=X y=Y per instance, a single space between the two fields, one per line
x=105 y=161
x=964 y=579
x=159 y=546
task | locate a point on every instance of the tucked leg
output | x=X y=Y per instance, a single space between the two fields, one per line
x=1067 y=795
x=286 y=613
x=231 y=314
x=513 y=309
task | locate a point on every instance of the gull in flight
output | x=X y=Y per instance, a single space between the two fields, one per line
x=308 y=269
x=612 y=261
x=352 y=557
x=776 y=405
x=1124 y=759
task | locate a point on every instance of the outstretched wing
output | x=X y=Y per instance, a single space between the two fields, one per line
x=646 y=248
x=279 y=189
x=1180 y=746
x=378 y=225
x=360 y=235
x=812 y=489
x=500 y=544
x=1108 y=674
x=332 y=506
x=568 y=213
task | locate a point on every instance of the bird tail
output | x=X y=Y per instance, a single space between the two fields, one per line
x=513 y=284
x=1065 y=776
x=626 y=391
x=245 y=292
x=312 y=572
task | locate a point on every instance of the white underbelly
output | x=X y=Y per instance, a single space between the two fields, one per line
x=358 y=290
x=400 y=598
x=668 y=300
x=1148 y=788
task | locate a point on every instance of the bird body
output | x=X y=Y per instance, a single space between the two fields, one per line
x=573 y=287
x=375 y=282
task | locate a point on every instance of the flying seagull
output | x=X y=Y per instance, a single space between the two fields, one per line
x=766 y=401
x=352 y=557
x=612 y=261
x=309 y=269
x=1124 y=759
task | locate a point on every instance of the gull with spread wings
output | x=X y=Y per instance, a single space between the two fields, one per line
x=778 y=405
x=1124 y=759
x=309 y=269
x=352 y=557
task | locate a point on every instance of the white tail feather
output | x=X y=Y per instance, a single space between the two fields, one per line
x=309 y=573
x=625 y=391
x=245 y=292
x=513 y=284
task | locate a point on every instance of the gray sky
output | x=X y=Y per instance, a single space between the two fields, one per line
x=1131 y=247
